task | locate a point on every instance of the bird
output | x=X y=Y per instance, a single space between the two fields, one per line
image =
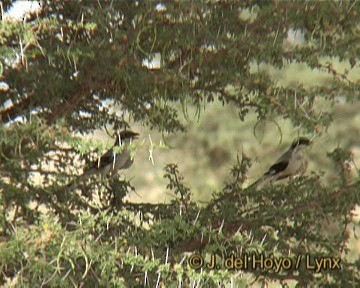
x=111 y=162
x=290 y=164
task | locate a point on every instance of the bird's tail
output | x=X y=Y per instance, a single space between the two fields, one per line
x=261 y=182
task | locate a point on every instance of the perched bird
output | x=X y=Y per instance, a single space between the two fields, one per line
x=291 y=163
x=111 y=162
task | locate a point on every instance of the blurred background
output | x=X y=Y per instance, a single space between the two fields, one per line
x=208 y=149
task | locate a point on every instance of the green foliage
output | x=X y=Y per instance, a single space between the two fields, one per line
x=77 y=66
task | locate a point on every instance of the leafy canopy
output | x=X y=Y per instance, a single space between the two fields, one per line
x=65 y=67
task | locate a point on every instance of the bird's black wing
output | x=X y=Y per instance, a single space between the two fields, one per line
x=106 y=158
x=277 y=168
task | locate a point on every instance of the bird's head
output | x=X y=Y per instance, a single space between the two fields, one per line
x=300 y=143
x=126 y=136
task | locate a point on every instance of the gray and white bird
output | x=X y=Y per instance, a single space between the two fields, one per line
x=291 y=163
x=111 y=162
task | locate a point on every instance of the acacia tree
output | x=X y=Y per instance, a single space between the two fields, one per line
x=61 y=64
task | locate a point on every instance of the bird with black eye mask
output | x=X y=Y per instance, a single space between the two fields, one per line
x=110 y=163
x=290 y=164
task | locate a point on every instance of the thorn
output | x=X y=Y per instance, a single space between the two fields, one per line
x=180 y=282
x=152 y=254
x=145 y=278
x=182 y=260
x=114 y=161
x=167 y=255
x=252 y=239
x=221 y=226
x=262 y=241
x=276 y=246
x=197 y=217
x=238 y=230
x=158 y=280
x=151 y=150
